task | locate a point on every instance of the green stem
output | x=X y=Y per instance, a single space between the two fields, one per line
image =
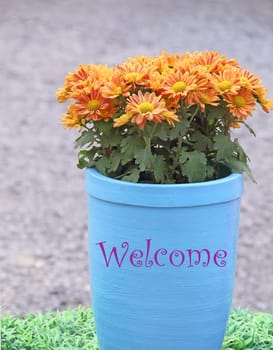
x=178 y=153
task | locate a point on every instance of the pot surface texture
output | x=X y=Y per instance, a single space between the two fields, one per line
x=162 y=261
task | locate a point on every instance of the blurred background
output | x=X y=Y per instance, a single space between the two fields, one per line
x=43 y=211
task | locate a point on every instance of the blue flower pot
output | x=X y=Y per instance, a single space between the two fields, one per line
x=162 y=262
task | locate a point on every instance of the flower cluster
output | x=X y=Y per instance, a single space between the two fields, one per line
x=149 y=89
x=144 y=92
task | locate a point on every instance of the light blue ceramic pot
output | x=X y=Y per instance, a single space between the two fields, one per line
x=162 y=262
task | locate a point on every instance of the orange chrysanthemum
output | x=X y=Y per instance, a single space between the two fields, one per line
x=122 y=120
x=178 y=85
x=62 y=94
x=154 y=81
x=161 y=65
x=226 y=82
x=242 y=104
x=170 y=117
x=145 y=107
x=93 y=106
x=80 y=74
x=249 y=81
x=265 y=103
x=208 y=60
x=84 y=78
x=72 y=119
x=169 y=60
x=134 y=73
x=115 y=87
x=142 y=108
x=205 y=97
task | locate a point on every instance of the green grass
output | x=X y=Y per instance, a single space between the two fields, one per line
x=75 y=330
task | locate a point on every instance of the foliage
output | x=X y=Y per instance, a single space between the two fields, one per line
x=164 y=119
x=67 y=330
x=75 y=330
x=247 y=331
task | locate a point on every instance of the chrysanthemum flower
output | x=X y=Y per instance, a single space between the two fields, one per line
x=226 y=82
x=178 y=85
x=122 y=120
x=96 y=78
x=160 y=64
x=115 y=87
x=265 y=103
x=249 y=81
x=72 y=119
x=242 y=104
x=83 y=79
x=77 y=80
x=154 y=81
x=134 y=73
x=142 y=108
x=80 y=73
x=203 y=92
x=203 y=98
x=170 y=60
x=93 y=106
x=62 y=95
x=208 y=61
x=145 y=107
x=170 y=117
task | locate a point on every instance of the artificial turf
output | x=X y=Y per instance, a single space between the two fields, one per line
x=75 y=330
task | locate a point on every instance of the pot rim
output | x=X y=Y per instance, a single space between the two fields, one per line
x=164 y=195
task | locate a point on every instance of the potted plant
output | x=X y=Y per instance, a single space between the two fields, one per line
x=164 y=179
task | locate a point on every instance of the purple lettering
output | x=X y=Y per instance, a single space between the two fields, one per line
x=220 y=254
x=162 y=251
x=198 y=252
x=119 y=262
x=176 y=253
x=148 y=263
x=136 y=254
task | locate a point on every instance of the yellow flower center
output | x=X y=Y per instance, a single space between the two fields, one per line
x=239 y=101
x=244 y=80
x=145 y=107
x=179 y=86
x=118 y=90
x=132 y=76
x=93 y=105
x=208 y=67
x=205 y=99
x=225 y=85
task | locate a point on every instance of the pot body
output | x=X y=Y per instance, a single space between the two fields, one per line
x=162 y=262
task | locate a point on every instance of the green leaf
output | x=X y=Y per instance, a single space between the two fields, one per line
x=132 y=175
x=102 y=165
x=201 y=141
x=247 y=126
x=110 y=139
x=210 y=172
x=160 y=168
x=240 y=151
x=86 y=158
x=238 y=166
x=107 y=135
x=114 y=161
x=103 y=126
x=180 y=129
x=162 y=131
x=193 y=165
x=215 y=112
x=130 y=144
x=225 y=147
x=86 y=137
x=144 y=158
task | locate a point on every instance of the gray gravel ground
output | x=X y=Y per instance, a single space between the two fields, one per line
x=43 y=215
